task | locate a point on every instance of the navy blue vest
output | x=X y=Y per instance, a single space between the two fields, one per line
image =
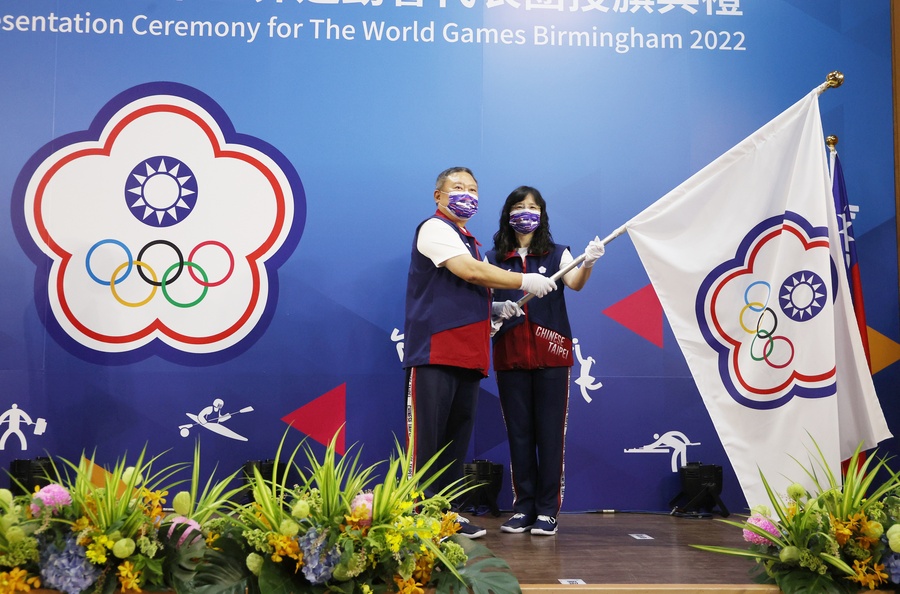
x=436 y=301
x=548 y=311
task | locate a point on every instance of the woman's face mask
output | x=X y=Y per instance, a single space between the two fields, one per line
x=524 y=221
x=462 y=204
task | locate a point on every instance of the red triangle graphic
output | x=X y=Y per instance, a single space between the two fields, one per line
x=323 y=417
x=641 y=313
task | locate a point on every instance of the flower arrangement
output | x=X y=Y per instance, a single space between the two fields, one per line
x=837 y=539
x=330 y=526
x=98 y=531
x=338 y=530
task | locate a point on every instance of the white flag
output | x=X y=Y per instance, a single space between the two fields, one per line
x=746 y=260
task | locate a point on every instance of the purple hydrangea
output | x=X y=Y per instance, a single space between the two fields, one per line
x=318 y=564
x=892 y=564
x=68 y=569
x=766 y=524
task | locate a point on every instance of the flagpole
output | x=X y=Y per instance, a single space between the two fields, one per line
x=562 y=271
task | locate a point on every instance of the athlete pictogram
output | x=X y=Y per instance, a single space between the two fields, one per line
x=675 y=442
x=397 y=338
x=212 y=418
x=585 y=380
x=14 y=417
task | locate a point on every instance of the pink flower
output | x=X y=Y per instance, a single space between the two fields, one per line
x=192 y=526
x=361 y=507
x=760 y=522
x=51 y=497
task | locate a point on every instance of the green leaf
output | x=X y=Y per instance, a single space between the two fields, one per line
x=485 y=573
x=803 y=581
x=275 y=578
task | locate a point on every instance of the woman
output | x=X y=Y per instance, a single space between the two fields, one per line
x=533 y=358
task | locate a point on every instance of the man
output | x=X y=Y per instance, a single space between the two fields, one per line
x=447 y=329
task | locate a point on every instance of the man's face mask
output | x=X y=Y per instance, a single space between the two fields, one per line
x=462 y=204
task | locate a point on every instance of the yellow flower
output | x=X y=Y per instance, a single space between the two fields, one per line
x=865 y=536
x=393 y=539
x=843 y=529
x=96 y=551
x=80 y=524
x=424 y=567
x=17 y=580
x=129 y=579
x=872 y=576
x=153 y=501
x=211 y=538
x=358 y=520
x=284 y=546
x=409 y=586
x=449 y=525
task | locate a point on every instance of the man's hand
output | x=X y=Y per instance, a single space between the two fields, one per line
x=537 y=284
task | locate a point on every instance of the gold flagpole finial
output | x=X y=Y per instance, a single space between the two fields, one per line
x=834 y=79
x=831 y=141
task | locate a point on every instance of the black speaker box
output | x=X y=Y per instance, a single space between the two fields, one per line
x=488 y=478
x=25 y=475
x=701 y=485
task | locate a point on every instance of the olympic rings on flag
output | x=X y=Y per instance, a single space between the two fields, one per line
x=762 y=331
x=172 y=273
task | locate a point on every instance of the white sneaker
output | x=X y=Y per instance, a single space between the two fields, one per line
x=468 y=529
x=545 y=525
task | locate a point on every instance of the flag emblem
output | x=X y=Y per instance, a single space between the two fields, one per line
x=768 y=344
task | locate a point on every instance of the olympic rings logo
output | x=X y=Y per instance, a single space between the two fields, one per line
x=763 y=328
x=171 y=274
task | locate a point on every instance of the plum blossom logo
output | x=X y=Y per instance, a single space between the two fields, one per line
x=768 y=313
x=161 y=224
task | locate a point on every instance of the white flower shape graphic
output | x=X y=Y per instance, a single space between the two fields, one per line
x=161 y=224
x=761 y=312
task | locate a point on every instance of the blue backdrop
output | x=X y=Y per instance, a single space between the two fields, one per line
x=287 y=150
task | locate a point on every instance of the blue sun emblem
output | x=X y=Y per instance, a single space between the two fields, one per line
x=803 y=295
x=161 y=191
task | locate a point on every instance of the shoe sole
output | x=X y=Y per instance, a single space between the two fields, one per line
x=514 y=530
x=474 y=535
x=543 y=532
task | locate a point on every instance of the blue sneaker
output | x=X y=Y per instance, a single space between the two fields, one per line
x=545 y=525
x=468 y=529
x=517 y=523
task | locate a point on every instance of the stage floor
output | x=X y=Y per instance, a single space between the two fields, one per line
x=638 y=552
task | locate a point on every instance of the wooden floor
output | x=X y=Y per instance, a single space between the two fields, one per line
x=627 y=553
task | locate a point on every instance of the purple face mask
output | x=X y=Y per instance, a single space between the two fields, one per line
x=524 y=221
x=462 y=204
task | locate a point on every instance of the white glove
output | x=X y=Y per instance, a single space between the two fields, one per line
x=505 y=310
x=537 y=284
x=593 y=251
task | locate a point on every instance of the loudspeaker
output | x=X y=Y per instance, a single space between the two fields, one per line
x=266 y=469
x=701 y=485
x=25 y=475
x=488 y=478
